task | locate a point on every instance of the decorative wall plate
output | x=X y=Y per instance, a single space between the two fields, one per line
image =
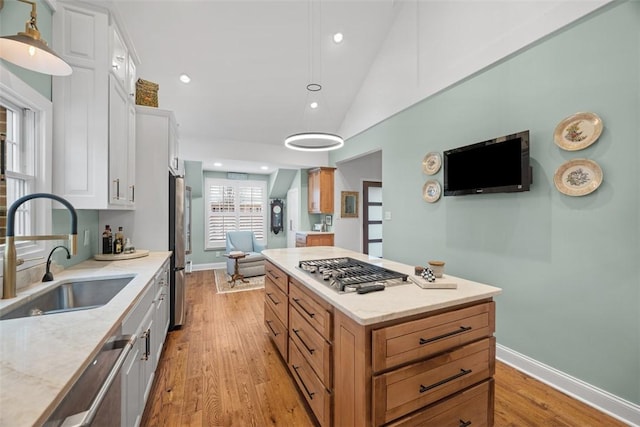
x=431 y=163
x=578 y=177
x=431 y=191
x=578 y=131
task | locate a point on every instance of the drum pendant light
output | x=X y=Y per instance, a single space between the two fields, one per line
x=313 y=141
x=28 y=50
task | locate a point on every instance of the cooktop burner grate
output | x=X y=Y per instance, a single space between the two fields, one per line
x=348 y=272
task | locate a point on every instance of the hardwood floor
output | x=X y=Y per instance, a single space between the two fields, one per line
x=220 y=369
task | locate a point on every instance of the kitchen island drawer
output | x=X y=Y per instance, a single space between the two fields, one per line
x=471 y=407
x=312 y=345
x=317 y=396
x=277 y=331
x=404 y=390
x=411 y=341
x=276 y=299
x=278 y=276
x=314 y=310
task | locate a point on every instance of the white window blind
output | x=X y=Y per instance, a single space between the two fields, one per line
x=234 y=205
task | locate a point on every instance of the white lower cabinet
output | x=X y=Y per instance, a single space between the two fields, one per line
x=149 y=321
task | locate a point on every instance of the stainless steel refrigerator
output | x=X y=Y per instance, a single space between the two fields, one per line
x=177 y=246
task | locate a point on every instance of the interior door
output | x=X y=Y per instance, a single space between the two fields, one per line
x=293 y=216
x=372 y=218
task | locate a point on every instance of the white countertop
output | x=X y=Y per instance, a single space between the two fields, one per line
x=41 y=357
x=394 y=302
x=304 y=233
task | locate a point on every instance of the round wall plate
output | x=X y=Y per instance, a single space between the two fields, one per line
x=578 y=131
x=578 y=177
x=431 y=191
x=431 y=163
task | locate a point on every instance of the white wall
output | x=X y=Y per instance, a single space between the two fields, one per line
x=349 y=177
x=239 y=151
x=434 y=44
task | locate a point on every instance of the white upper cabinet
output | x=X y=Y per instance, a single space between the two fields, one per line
x=119 y=56
x=94 y=112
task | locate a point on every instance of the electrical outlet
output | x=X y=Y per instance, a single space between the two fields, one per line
x=218 y=254
x=86 y=237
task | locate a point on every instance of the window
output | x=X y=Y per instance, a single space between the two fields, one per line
x=17 y=132
x=26 y=129
x=234 y=205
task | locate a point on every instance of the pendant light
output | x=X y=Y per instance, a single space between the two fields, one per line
x=28 y=50
x=313 y=141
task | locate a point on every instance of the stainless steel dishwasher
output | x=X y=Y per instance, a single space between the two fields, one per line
x=95 y=398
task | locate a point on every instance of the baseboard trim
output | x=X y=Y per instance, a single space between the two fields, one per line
x=610 y=404
x=210 y=266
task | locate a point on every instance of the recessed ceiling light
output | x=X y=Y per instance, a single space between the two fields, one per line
x=184 y=78
x=217 y=164
x=338 y=37
x=313 y=105
x=264 y=168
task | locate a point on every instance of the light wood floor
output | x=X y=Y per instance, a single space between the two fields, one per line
x=220 y=369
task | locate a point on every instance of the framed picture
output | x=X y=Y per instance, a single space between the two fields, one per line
x=327 y=220
x=349 y=204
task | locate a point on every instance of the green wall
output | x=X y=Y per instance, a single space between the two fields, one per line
x=568 y=266
x=87 y=220
x=13 y=16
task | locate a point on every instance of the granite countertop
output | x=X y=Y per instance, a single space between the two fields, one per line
x=395 y=302
x=42 y=356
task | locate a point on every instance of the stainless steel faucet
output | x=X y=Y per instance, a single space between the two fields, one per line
x=10 y=262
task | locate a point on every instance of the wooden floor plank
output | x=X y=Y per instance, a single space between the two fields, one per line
x=220 y=369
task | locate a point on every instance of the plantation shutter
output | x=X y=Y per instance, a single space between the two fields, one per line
x=234 y=205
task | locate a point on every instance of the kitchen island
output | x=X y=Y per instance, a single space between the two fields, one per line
x=402 y=356
x=41 y=357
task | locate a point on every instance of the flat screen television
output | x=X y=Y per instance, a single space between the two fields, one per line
x=498 y=165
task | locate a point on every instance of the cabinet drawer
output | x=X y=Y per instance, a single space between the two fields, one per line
x=313 y=310
x=410 y=341
x=301 y=238
x=276 y=299
x=407 y=389
x=278 y=276
x=277 y=331
x=310 y=386
x=312 y=346
x=471 y=407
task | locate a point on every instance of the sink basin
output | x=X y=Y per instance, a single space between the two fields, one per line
x=70 y=296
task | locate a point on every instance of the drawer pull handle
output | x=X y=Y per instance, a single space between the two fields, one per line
x=464 y=423
x=297 y=301
x=309 y=349
x=448 y=334
x=309 y=393
x=275 y=302
x=272 y=273
x=275 y=334
x=462 y=373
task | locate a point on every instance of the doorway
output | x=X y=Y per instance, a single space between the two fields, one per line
x=372 y=218
x=293 y=216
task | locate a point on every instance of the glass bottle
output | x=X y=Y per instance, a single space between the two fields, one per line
x=118 y=243
x=107 y=240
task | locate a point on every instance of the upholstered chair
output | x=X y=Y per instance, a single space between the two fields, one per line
x=245 y=241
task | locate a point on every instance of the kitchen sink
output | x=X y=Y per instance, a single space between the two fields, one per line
x=70 y=296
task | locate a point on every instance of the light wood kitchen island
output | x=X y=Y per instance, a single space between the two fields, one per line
x=403 y=356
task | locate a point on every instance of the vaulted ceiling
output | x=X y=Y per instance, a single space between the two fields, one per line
x=250 y=62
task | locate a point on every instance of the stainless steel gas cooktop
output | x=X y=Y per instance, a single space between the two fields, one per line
x=349 y=275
